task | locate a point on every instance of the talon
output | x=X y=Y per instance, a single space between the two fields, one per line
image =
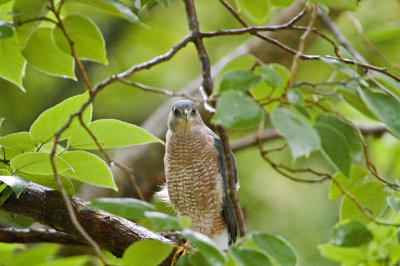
x=180 y=252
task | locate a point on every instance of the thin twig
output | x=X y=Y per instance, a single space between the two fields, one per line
x=71 y=43
x=301 y=48
x=160 y=91
x=37 y=19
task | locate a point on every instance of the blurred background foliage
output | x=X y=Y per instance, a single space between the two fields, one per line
x=300 y=213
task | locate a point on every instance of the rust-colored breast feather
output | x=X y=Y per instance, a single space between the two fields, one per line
x=194 y=183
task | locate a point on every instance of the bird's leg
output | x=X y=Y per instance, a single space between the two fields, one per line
x=180 y=251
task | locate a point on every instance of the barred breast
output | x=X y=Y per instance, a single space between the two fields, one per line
x=193 y=180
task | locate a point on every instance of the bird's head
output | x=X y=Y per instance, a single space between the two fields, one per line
x=184 y=116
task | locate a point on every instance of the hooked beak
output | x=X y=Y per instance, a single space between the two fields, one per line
x=186 y=115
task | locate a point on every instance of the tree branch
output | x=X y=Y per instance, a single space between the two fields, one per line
x=17 y=235
x=47 y=206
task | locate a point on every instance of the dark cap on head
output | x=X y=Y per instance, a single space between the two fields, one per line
x=181 y=104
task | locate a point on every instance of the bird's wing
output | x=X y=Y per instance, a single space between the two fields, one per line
x=227 y=207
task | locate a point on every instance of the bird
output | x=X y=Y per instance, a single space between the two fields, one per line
x=196 y=181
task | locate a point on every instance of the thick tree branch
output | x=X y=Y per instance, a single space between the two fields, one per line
x=46 y=206
x=17 y=235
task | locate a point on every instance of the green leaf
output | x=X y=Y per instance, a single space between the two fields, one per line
x=16 y=183
x=128 y=208
x=351 y=233
x=24 y=10
x=385 y=107
x=300 y=135
x=270 y=76
x=244 y=62
x=257 y=9
x=68 y=261
x=206 y=247
x=238 y=80
x=19 y=141
x=147 y=252
x=50 y=60
x=282 y=2
x=238 y=111
x=113 y=7
x=340 y=254
x=295 y=97
x=163 y=222
x=88 y=41
x=398 y=235
x=194 y=259
x=49 y=181
x=336 y=64
x=372 y=195
x=353 y=140
x=6 y=251
x=339 y=4
x=6 y=31
x=388 y=82
x=394 y=202
x=277 y=247
x=10 y=53
x=357 y=175
x=37 y=163
x=50 y=121
x=111 y=133
x=88 y=168
x=37 y=254
x=248 y=257
x=335 y=146
x=353 y=98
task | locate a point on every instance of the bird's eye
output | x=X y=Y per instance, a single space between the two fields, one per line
x=176 y=112
x=194 y=111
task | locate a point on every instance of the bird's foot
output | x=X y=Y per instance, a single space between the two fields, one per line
x=180 y=252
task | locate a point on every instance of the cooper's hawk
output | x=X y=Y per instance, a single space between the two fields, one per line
x=195 y=174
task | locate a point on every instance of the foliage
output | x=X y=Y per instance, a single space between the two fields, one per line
x=63 y=144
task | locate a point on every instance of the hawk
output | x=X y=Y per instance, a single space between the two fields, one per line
x=196 y=182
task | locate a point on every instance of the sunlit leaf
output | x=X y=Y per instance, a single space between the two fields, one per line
x=282 y=2
x=351 y=233
x=357 y=175
x=49 y=181
x=10 y=53
x=237 y=110
x=38 y=254
x=300 y=135
x=68 y=261
x=24 y=10
x=113 y=7
x=385 y=107
x=50 y=121
x=339 y=4
x=372 y=195
x=88 y=41
x=128 y=208
x=50 y=60
x=340 y=254
x=16 y=183
x=277 y=247
x=206 y=247
x=19 y=141
x=88 y=168
x=335 y=146
x=257 y=9
x=147 y=252
x=111 y=133
x=37 y=163
x=270 y=76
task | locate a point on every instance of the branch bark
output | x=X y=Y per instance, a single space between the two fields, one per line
x=17 y=235
x=46 y=206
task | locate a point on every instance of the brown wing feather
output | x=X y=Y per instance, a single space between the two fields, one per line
x=227 y=208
